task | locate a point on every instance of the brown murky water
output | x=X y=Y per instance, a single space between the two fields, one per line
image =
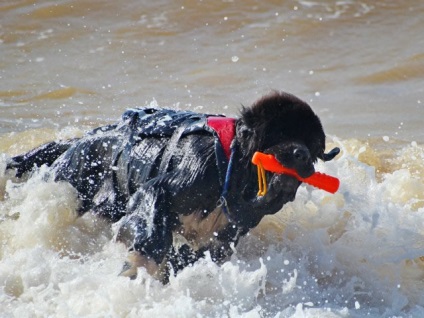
x=360 y=64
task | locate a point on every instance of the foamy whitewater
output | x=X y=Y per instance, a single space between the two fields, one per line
x=356 y=253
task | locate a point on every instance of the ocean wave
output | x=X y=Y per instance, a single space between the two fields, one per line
x=357 y=252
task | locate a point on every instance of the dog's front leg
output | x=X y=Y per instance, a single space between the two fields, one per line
x=146 y=231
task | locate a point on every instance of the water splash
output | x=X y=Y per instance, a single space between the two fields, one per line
x=358 y=252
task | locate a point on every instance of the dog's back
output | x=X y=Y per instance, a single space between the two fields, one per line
x=111 y=163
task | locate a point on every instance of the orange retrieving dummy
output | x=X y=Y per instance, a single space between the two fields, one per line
x=270 y=163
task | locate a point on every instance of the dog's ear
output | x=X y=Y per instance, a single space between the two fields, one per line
x=330 y=156
x=247 y=138
x=244 y=132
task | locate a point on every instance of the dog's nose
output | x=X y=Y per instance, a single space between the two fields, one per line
x=301 y=155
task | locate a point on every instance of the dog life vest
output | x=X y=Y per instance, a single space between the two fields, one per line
x=175 y=124
x=224 y=128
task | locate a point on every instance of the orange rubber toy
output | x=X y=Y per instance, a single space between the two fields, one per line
x=270 y=163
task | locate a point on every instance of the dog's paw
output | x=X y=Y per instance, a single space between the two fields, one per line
x=129 y=270
x=136 y=260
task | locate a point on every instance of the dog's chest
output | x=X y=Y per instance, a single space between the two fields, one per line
x=199 y=231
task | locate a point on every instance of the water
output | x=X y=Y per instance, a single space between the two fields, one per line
x=67 y=66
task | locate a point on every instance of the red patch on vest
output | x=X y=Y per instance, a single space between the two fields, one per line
x=225 y=129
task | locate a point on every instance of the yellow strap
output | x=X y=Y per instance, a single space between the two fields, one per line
x=261 y=180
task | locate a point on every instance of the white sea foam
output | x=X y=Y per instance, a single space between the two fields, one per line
x=350 y=254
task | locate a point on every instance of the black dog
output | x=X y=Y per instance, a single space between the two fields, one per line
x=173 y=183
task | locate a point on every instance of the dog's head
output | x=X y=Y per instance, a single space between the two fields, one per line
x=286 y=127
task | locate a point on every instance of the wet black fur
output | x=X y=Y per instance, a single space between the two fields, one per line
x=148 y=185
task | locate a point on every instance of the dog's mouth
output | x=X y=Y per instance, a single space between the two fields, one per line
x=281 y=190
x=280 y=180
x=291 y=165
